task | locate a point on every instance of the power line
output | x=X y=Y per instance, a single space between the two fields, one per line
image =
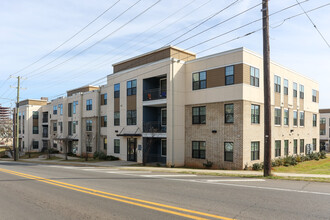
x=70 y=38
x=313 y=23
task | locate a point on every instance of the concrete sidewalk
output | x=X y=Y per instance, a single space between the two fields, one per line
x=127 y=165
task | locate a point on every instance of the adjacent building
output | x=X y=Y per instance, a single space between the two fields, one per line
x=325 y=129
x=169 y=107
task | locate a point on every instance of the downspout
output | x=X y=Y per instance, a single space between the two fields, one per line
x=172 y=96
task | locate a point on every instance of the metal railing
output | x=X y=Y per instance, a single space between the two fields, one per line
x=154 y=127
x=153 y=94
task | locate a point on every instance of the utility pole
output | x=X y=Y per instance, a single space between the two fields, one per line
x=17 y=121
x=267 y=104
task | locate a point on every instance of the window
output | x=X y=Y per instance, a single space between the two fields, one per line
x=229 y=151
x=254 y=76
x=302 y=145
x=286 y=87
x=89 y=105
x=163 y=116
x=229 y=75
x=55 y=110
x=75 y=103
x=104 y=99
x=198 y=149
x=35 y=130
x=199 y=80
x=255 y=114
x=314 y=120
x=69 y=109
x=131 y=87
x=35 y=115
x=69 y=127
x=105 y=143
x=295 y=88
x=61 y=126
x=116 y=118
x=89 y=125
x=295 y=118
x=54 y=126
x=277 y=116
x=131 y=117
x=60 y=106
x=295 y=146
x=104 y=121
x=286 y=147
x=199 y=115
x=74 y=126
x=277 y=148
x=35 y=144
x=286 y=117
x=116 y=146
x=117 y=90
x=89 y=146
x=255 y=150
x=229 y=113
x=277 y=84
x=302 y=119
x=314 y=92
x=322 y=128
x=163 y=148
x=314 y=144
x=301 y=91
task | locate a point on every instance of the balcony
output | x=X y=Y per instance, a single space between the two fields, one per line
x=155 y=88
x=154 y=127
x=153 y=94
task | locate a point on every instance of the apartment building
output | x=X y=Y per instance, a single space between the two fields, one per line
x=325 y=129
x=169 y=107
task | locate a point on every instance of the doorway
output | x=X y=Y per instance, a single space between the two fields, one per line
x=131 y=149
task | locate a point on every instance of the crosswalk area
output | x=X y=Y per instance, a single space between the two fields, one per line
x=159 y=175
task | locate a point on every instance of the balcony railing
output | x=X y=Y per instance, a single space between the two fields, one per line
x=153 y=94
x=45 y=135
x=154 y=127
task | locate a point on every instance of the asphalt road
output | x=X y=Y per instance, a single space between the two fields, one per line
x=32 y=191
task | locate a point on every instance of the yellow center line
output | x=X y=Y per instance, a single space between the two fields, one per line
x=97 y=193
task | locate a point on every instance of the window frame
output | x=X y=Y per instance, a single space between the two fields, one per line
x=286 y=117
x=301 y=91
x=229 y=114
x=200 y=152
x=286 y=87
x=230 y=75
x=254 y=76
x=131 y=87
x=229 y=155
x=295 y=118
x=302 y=145
x=314 y=120
x=295 y=146
x=286 y=147
x=301 y=119
x=89 y=125
x=201 y=83
x=199 y=118
x=255 y=150
x=278 y=148
x=131 y=117
x=116 y=146
x=89 y=104
x=116 y=89
x=277 y=118
x=255 y=118
x=314 y=95
x=277 y=84
x=162 y=147
x=116 y=120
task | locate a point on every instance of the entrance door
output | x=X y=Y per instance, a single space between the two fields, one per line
x=131 y=149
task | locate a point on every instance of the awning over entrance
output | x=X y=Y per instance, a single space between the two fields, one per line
x=130 y=132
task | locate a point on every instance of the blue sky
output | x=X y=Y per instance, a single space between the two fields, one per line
x=31 y=29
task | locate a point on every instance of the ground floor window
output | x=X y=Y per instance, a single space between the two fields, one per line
x=277 y=148
x=105 y=143
x=229 y=151
x=88 y=146
x=286 y=147
x=302 y=144
x=314 y=144
x=35 y=144
x=295 y=146
x=116 y=146
x=198 y=149
x=255 y=152
x=163 y=148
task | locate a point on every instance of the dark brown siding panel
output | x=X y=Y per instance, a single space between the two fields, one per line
x=215 y=77
x=246 y=74
x=116 y=104
x=238 y=73
x=131 y=102
x=35 y=122
x=180 y=55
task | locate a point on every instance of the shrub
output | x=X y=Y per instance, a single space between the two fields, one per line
x=323 y=155
x=53 y=151
x=5 y=156
x=208 y=164
x=298 y=158
x=257 y=166
x=96 y=155
x=111 y=158
x=102 y=156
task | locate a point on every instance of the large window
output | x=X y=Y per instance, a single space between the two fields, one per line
x=104 y=121
x=104 y=99
x=314 y=144
x=117 y=90
x=105 y=143
x=322 y=128
x=277 y=148
x=286 y=117
x=60 y=106
x=295 y=118
x=116 y=119
x=277 y=84
x=89 y=147
x=163 y=116
x=198 y=149
x=69 y=127
x=131 y=117
x=35 y=115
x=35 y=145
x=295 y=146
x=286 y=147
x=89 y=104
x=89 y=125
x=75 y=103
x=314 y=94
x=131 y=87
x=35 y=130
x=301 y=92
x=277 y=116
x=199 y=80
x=286 y=87
x=116 y=146
x=302 y=145
x=229 y=151
x=199 y=115
x=55 y=110
x=314 y=120
x=302 y=119
x=74 y=124
x=229 y=75
x=254 y=76
x=255 y=114
x=54 y=126
x=295 y=89
x=255 y=150
x=229 y=113
x=69 y=109
x=163 y=148
x=60 y=124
